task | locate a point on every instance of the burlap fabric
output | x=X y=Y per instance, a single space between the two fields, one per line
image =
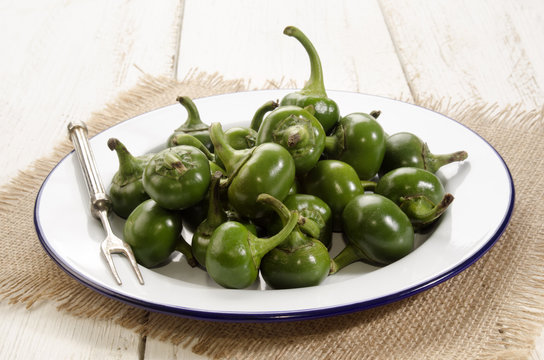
x=494 y=309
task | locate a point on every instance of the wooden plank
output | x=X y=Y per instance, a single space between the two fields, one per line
x=350 y=36
x=41 y=333
x=470 y=50
x=63 y=60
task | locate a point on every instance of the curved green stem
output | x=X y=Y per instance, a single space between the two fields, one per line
x=129 y=167
x=216 y=215
x=184 y=248
x=412 y=206
x=260 y=246
x=193 y=121
x=276 y=205
x=261 y=112
x=335 y=144
x=187 y=139
x=309 y=227
x=315 y=83
x=230 y=157
x=434 y=162
x=347 y=256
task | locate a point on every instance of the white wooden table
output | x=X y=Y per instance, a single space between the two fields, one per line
x=61 y=60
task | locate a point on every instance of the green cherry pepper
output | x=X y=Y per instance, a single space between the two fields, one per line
x=358 y=140
x=234 y=254
x=177 y=177
x=336 y=183
x=241 y=137
x=193 y=125
x=376 y=230
x=126 y=190
x=261 y=112
x=313 y=93
x=405 y=149
x=419 y=193
x=299 y=261
x=266 y=168
x=298 y=131
x=154 y=233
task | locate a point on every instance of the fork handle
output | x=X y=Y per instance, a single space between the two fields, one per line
x=100 y=201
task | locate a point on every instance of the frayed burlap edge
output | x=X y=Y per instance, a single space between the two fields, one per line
x=520 y=318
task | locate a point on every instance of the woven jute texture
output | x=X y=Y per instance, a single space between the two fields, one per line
x=493 y=309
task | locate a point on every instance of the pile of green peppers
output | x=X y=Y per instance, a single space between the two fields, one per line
x=265 y=199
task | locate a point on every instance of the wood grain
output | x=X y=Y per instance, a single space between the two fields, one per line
x=470 y=50
x=63 y=60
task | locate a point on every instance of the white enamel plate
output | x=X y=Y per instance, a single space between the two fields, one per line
x=482 y=186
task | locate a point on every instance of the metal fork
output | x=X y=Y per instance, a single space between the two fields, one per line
x=100 y=201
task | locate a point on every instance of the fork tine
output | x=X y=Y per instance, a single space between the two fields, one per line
x=130 y=256
x=109 y=259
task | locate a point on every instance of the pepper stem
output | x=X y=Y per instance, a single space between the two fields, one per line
x=276 y=205
x=230 y=157
x=375 y=113
x=261 y=112
x=184 y=248
x=434 y=162
x=216 y=215
x=309 y=227
x=411 y=206
x=128 y=164
x=260 y=246
x=193 y=121
x=315 y=83
x=187 y=139
x=335 y=143
x=347 y=256
x=172 y=161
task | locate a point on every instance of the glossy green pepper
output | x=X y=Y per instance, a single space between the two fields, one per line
x=405 y=149
x=336 y=183
x=313 y=93
x=358 y=140
x=266 y=168
x=241 y=137
x=154 y=233
x=419 y=193
x=234 y=254
x=376 y=230
x=261 y=112
x=298 y=131
x=177 y=177
x=193 y=125
x=299 y=261
x=126 y=190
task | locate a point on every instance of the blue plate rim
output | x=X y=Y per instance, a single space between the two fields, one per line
x=306 y=314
